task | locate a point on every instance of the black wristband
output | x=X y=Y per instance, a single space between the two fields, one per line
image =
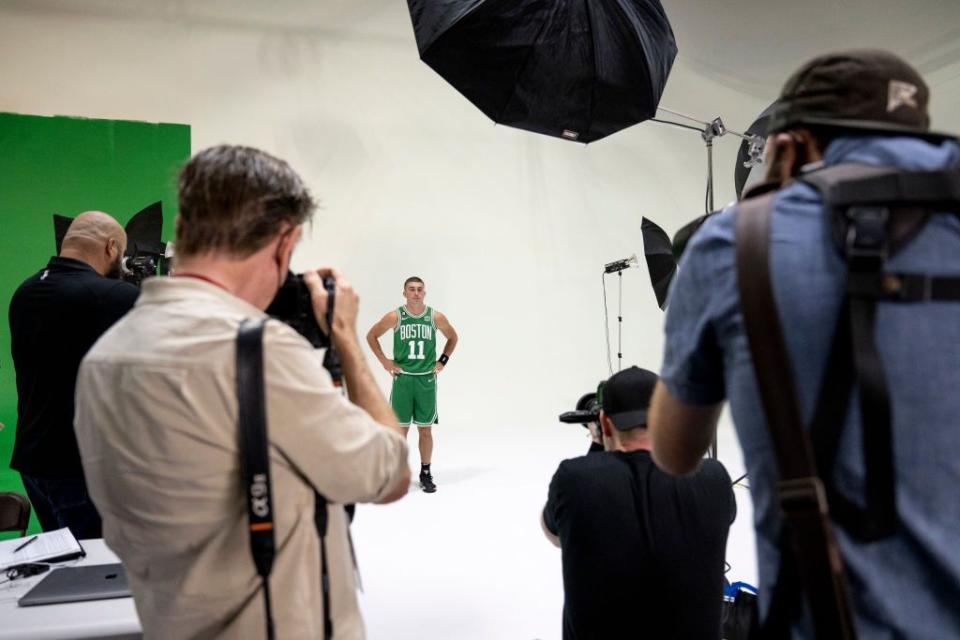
x=444 y=359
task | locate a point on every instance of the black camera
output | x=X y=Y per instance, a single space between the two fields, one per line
x=587 y=411
x=138 y=268
x=293 y=305
x=146 y=255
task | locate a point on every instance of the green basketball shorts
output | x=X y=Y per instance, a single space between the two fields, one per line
x=414 y=399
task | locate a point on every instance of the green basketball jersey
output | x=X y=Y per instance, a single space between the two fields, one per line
x=415 y=342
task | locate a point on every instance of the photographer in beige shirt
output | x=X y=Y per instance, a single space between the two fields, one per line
x=156 y=420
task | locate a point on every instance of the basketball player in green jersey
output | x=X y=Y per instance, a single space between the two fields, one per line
x=415 y=366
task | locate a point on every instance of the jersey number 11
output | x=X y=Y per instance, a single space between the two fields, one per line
x=413 y=350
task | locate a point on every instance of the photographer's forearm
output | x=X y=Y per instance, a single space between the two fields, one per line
x=680 y=433
x=361 y=386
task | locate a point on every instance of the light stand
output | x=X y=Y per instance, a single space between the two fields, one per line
x=620 y=320
x=618 y=267
x=606 y=319
x=708 y=131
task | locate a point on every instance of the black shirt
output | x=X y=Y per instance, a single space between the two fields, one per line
x=55 y=317
x=643 y=551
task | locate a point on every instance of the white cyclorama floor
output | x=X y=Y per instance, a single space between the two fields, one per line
x=470 y=561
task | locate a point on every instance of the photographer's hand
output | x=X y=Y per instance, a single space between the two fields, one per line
x=345 y=306
x=595 y=434
x=361 y=387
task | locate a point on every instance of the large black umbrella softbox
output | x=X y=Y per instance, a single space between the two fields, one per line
x=579 y=70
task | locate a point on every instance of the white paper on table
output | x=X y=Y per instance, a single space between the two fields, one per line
x=50 y=545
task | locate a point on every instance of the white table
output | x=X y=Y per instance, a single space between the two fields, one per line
x=115 y=618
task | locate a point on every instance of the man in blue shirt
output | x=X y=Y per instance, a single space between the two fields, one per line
x=865 y=107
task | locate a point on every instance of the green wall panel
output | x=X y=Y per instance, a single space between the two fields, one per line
x=69 y=165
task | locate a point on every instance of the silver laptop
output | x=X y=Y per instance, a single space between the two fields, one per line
x=76 y=584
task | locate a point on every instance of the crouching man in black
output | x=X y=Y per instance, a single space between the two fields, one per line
x=643 y=551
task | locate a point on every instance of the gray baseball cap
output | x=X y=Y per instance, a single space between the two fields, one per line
x=868 y=90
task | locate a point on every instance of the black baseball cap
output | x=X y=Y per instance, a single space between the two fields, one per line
x=625 y=397
x=868 y=90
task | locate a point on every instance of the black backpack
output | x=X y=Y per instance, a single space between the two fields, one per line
x=874 y=212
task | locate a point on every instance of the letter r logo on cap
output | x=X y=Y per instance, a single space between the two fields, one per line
x=901 y=94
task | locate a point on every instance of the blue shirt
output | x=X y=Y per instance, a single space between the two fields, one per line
x=907 y=585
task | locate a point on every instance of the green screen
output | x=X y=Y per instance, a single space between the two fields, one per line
x=67 y=166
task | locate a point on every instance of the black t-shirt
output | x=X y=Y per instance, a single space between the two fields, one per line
x=55 y=317
x=643 y=551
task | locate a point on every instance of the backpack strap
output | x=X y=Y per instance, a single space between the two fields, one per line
x=813 y=551
x=909 y=196
x=847 y=184
x=875 y=212
x=866 y=251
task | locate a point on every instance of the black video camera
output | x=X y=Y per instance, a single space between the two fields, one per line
x=293 y=305
x=138 y=268
x=587 y=411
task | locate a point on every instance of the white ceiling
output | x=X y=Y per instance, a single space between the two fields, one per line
x=748 y=46
x=751 y=42
x=753 y=45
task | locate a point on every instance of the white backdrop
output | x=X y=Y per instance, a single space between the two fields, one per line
x=508 y=229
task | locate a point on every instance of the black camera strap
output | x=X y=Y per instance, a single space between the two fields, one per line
x=255 y=468
x=254 y=453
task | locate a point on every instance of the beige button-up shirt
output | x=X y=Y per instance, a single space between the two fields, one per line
x=156 y=421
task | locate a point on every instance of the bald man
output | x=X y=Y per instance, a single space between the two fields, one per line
x=55 y=317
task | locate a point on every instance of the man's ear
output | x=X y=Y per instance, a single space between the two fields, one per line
x=288 y=241
x=811 y=149
x=781 y=156
x=606 y=426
